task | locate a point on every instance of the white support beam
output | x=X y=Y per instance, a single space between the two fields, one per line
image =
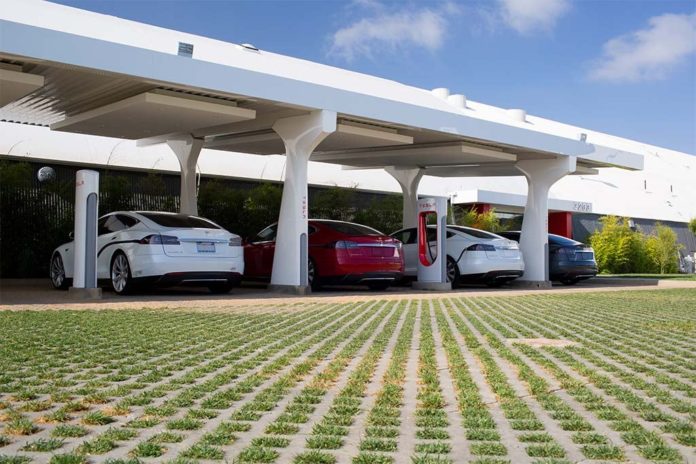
x=187 y=149
x=15 y=84
x=301 y=135
x=534 y=241
x=408 y=178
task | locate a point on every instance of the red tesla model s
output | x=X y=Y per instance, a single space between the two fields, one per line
x=339 y=253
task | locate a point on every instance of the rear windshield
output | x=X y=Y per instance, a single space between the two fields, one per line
x=180 y=221
x=349 y=228
x=562 y=241
x=511 y=235
x=474 y=232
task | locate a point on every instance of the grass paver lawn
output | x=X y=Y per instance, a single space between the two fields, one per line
x=320 y=382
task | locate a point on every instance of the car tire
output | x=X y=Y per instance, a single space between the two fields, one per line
x=120 y=274
x=313 y=275
x=453 y=275
x=220 y=288
x=57 y=273
x=378 y=286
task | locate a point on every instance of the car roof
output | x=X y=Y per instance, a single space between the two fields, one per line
x=553 y=238
x=459 y=229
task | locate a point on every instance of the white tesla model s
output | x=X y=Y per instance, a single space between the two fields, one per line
x=157 y=248
x=473 y=255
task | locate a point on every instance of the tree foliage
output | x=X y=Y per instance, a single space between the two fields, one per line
x=663 y=249
x=619 y=249
x=487 y=220
x=692 y=225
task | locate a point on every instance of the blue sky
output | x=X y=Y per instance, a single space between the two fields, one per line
x=625 y=67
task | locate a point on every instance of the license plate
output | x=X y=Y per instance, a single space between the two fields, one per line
x=382 y=251
x=205 y=247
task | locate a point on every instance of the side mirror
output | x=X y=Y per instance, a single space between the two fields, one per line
x=71 y=235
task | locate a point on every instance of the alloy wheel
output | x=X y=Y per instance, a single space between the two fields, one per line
x=451 y=271
x=57 y=271
x=310 y=272
x=120 y=273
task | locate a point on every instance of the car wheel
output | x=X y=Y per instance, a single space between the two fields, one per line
x=220 y=288
x=313 y=275
x=57 y=271
x=121 y=279
x=378 y=285
x=453 y=272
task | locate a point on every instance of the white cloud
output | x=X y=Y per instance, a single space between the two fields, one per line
x=527 y=16
x=648 y=54
x=390 y=31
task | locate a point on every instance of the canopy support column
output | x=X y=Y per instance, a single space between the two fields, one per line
x=187 y=150
x=301 y=135
x=534 y=240
x=408 y=178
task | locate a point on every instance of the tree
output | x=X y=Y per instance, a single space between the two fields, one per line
x=692 y=225
x=488 y=220
x=332 y=203
x=115 y=193
x=663 y=249
x=261 y=207
x=384 y=214
x=620 y=249
x=224 y=205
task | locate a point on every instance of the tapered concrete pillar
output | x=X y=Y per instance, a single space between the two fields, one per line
x=541 y=175
x=187 y=150
x=408 y=178
x=301 y=135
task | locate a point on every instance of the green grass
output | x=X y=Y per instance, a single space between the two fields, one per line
x=20 y=426
x=43 y=445
x=137 y=382
x=314 y=457
x=148 y=449
x=69 y=431
x=98 y=445
x=68 y=459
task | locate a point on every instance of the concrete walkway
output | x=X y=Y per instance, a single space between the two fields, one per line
x=37 y=294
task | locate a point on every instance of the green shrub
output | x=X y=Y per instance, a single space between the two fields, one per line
x=488 y=220
x=663 y=249
x=620 y=249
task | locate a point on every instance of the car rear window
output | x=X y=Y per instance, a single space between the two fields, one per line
x=474 y=232
x=511 y=235
x=349 y=228
x=562 y=241
x=181 y=221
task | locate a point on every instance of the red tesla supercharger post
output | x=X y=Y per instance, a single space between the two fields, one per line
x=432 y=254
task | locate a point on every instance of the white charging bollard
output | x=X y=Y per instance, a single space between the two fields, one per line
x=432 y=258
x=85 y=244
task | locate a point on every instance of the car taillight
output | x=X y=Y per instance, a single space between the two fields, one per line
x=345 y=244
x=481 y=247
x=235 y=241
x=157 y=239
